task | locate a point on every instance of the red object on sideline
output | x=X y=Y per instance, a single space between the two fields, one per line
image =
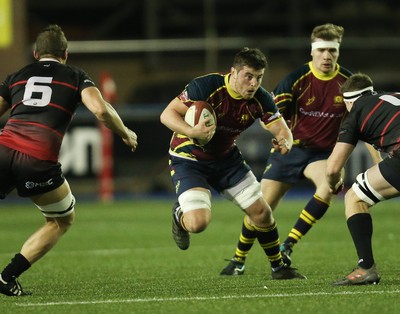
x=106 y=175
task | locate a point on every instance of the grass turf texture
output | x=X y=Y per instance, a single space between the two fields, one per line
x=120 y=258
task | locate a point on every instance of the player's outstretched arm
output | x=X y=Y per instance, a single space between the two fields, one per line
x=282 y=141
x=335 y=165
x=106 y=114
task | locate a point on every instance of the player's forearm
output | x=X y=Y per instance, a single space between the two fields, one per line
x=175 y=122
x=113 y=121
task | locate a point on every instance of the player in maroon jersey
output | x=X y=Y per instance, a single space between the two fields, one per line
x=309 y=98
x=375 y=119
x=43 y=97
x=238 y=101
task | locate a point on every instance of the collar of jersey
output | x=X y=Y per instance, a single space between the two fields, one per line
x=322 y=76
x=49 y=59
x=231 y=92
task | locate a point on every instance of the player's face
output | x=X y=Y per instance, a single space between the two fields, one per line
x=246 y=81
x=325 y=59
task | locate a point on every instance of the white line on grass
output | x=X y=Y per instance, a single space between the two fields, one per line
x=250 y=296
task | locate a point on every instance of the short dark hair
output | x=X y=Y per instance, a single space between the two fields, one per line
x=251 y=57
x=327 y=31
x=357 y=81
x=51 y=41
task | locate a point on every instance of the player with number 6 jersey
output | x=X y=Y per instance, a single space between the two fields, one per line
x=42 y=98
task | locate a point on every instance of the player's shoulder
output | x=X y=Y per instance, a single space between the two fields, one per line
x=297 y=74
x=264 y=97
x=344 y=71
x=202 y=87
x=209 y=79
x=300 y=71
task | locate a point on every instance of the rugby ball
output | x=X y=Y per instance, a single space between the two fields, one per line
x=198 y=112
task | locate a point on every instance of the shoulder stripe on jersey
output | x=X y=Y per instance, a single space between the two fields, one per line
x=370 y=114
x=61 y=108
x=17 y=83
x=387 y=126
x=65 y=84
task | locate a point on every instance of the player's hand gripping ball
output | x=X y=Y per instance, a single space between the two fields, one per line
x=198 y=112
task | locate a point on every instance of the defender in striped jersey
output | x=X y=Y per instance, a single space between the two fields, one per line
x=42 y=98
x=375 y=119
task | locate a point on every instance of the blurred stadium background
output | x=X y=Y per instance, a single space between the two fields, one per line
x=152 y=48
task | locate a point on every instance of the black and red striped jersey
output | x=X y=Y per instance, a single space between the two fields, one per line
x=374 y=119
x=313 y=104
x=234 y=115
x=43 y=97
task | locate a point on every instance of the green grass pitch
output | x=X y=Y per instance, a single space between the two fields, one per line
x=120 y=258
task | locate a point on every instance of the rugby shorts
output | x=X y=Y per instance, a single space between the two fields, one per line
x=289 y=168
x=28 y=175
x=218 y=174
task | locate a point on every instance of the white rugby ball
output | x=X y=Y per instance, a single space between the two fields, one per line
x=200 y=111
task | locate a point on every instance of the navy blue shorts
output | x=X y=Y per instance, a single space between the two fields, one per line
x=290 y=168
x=218 y=174
x=30 y=176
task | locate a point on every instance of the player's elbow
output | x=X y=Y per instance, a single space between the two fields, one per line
x=162 y=118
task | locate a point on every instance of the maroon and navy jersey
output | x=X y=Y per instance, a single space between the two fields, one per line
x=313 y=104
x=43 y=97
x=374 y=119
x=234 y=115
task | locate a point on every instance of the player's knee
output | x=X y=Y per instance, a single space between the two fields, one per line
x=64 y=223
x=362 y=190
x=260 y=213
x=197 y=220
x=196 y=208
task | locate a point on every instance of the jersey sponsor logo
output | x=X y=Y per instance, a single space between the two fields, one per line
x=338 y=101
x=31 y=185
x=310 y=101
x=88 y=81
x=244 y=118
x=177 y=186
x=267 y=168
x=276 y=115
x=184 y=96
x=321 y=114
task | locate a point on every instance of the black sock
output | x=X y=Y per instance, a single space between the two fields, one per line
x=360 y=226
x=17 y=266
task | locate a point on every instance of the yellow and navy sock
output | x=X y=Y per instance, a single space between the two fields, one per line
x=269 y=241
x=312 y=212
x=246 y=241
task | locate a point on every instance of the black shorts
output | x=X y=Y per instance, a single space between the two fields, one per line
x=30 y=176
x=390 y=170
